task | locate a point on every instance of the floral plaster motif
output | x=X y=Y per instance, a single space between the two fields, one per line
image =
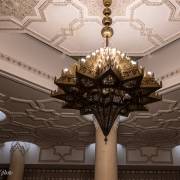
x=18 y=8
x=95 y=7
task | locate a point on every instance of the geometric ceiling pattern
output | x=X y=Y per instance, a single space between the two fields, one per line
x=160 y=126
x=33 y=116
x=73 y=26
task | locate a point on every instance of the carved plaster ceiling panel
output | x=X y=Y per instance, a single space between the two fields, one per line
x=33 y=116
x=18 y=8
x=149 y=155
x=158 y=127
x=73 y=26
x=63 y=154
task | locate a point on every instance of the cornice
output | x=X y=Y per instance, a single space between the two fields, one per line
x=169 y=74
x=24 y=66
x=47 y=76
x=24 y=82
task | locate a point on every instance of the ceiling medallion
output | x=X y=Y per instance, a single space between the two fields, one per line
x=106 y=83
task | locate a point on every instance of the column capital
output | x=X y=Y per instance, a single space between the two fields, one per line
x=18 y=146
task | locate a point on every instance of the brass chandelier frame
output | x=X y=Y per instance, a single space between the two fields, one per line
x=106 y=83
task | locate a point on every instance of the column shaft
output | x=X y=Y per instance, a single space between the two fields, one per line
x=106 y=155
x=16 y=165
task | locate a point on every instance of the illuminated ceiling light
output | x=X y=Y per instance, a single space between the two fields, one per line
x=2 y=116
x=107 y=83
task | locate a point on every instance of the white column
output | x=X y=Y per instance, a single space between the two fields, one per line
x=17 y=162
x=106 y=155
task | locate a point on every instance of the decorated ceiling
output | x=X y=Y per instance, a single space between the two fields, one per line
x=32 y=116
x=73 y=26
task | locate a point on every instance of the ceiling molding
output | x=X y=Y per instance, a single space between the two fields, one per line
x=149 y=155
x=169 y=74
x=65 y=154
x=22 y=65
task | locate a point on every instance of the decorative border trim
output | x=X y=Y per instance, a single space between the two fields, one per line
x=149 y=158
x=169 y=75
x=62 y=157
x=24 y=82
x=29 y=68
x=45 y=75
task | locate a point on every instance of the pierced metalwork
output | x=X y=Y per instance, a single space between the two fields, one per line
x=106 y=84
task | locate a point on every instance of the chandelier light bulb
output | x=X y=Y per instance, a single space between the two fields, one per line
x=65 y=70
x=133 y=62
x=83 y=60
x=101 y=50
x=88 y=56
x=149 y=73
x=118 y=52
x=97 y=51
x=93 y=54
x=123 y=55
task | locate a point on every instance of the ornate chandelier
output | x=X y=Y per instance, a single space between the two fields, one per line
x=106 y=83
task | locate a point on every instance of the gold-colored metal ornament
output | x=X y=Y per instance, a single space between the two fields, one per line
x=107 y=83
x=107 y=11
x=107 y=21
x=107 y=32
x=107 y=3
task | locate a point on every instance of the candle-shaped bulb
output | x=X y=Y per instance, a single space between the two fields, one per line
x=97 y=51
x=93 y=54
x=133 y=62
x=65 y=70
x=83 y=60
x=122 y=55
x=149 y=73
x=88 y=56
x=118 y=52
